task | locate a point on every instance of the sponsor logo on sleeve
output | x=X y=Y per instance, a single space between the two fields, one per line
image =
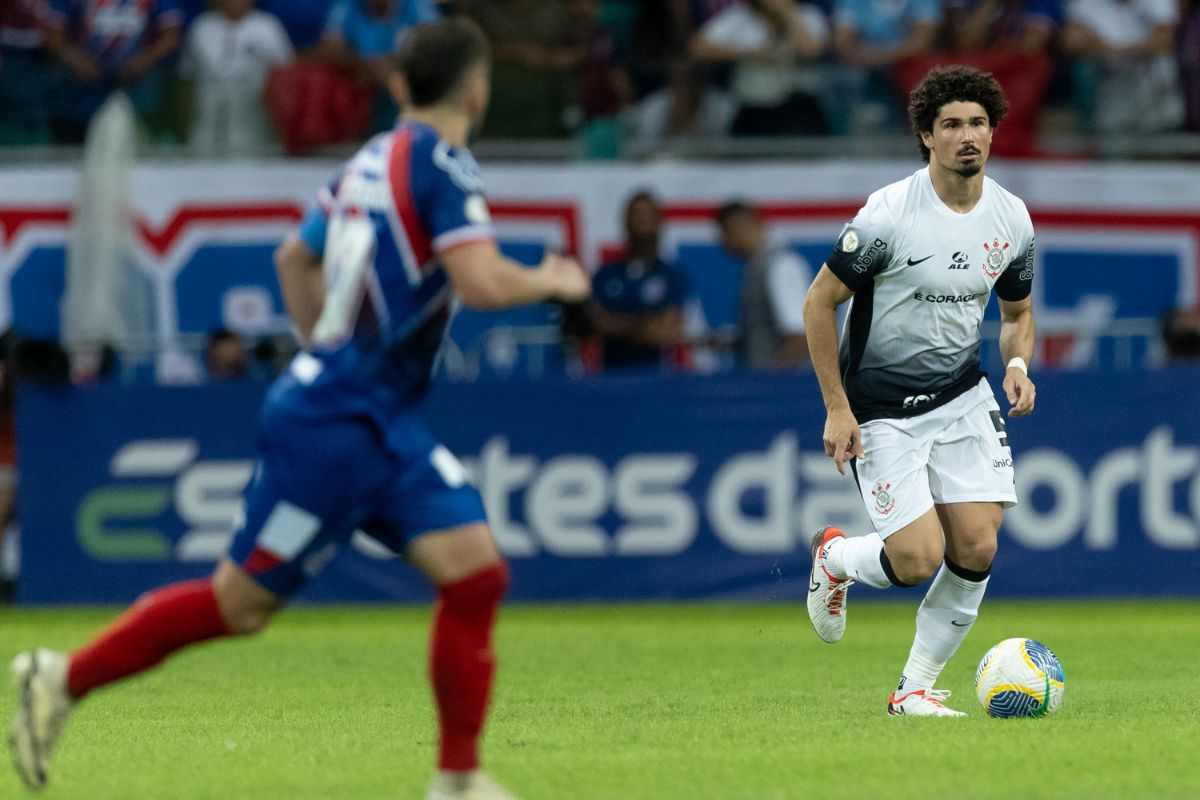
x=868 y=257
x=1027 y=273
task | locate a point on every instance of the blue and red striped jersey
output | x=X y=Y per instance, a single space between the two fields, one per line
x=111 y=31
x=380 y=227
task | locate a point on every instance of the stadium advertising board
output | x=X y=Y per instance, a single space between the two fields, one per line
x=614 y=488
x=1115 y=241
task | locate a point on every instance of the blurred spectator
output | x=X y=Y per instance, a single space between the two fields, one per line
x=229 y=52
x=655 y=43
x=304 y=21
x=691 y=15
x=108 y=45
x=874 y=33
x=1181 y=334
x=603 y=86
x=775 y=280
x=533 y=66
x=271 y=355
x=1189 y=62
x=39 y=361
x=638 y=300
x=225 y=357
x=869 y=38
x=362 y=34
x=1011 y=39
x=766 y=42
x=1011 y=26
x=1129 y=46
x=24 y=73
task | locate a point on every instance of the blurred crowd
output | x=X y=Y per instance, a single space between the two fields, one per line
x=235 y=77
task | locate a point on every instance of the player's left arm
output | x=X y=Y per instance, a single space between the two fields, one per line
x=1017 y=332
x=1014 y=290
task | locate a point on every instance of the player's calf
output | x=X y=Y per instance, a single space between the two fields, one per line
x=462 y=664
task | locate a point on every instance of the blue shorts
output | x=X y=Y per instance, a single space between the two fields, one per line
x=321 y=477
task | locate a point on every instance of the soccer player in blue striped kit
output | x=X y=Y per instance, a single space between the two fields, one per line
x=371 y=283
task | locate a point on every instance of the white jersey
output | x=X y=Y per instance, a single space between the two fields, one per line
x=922 y=275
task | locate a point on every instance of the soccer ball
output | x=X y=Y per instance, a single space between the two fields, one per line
x=1019 y=678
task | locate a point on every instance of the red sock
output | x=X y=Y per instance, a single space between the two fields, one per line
x=158 y=624
x=461 y=662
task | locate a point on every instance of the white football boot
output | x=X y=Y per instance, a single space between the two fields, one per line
x=466 y=786
x=827 y=594
x=921 y=703
x=43 y=707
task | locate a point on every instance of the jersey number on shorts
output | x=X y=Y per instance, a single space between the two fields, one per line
x=998 y=424
x=453 y=473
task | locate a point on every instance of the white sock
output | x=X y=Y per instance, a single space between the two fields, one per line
x=943 y=621
x=454 y=780
x=857 y=557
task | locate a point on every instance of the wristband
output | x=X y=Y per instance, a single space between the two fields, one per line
x=1018 y=363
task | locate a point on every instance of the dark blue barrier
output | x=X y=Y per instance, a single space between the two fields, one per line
x=616 y=489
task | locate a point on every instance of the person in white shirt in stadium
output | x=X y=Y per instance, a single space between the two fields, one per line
x=229 y=53
x=772 y=47
x=1130 y=46
x=775 y=279
x=908 y=406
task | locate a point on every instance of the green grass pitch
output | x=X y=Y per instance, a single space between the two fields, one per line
x=641 y=701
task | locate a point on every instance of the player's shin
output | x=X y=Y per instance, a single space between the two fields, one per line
x=158 y=624
x=860 y=558
x=462 y=664
x=943 y=621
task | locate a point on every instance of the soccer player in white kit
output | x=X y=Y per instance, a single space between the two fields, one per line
x=909 y=408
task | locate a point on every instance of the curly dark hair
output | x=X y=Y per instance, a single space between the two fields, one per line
x=956 y=83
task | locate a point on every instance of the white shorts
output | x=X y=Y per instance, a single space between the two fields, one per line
x=957 y=453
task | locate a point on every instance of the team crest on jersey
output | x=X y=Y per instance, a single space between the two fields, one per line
x=884 y=502
x=994 y=261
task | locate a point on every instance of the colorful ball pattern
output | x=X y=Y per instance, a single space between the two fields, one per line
x=1019 y=678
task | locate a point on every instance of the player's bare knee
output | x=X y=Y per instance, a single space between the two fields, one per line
x=916 y=566
x=248 y=621
x=976 y=554
x=246 y=607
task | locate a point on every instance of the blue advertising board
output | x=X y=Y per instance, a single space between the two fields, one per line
x=615 y=488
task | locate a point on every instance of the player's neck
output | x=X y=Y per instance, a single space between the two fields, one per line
x=451 y=124
x=960 y=193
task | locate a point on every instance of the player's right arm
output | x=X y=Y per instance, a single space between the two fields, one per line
x=302 y=282
x=843 y=439
x=486 y=280
x=862 y=252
